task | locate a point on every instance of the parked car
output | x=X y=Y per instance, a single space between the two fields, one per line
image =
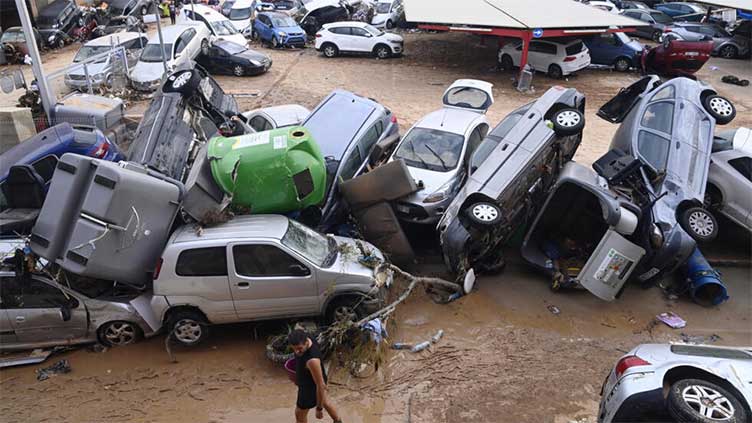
x=275 y=117
x=229 y=58
x=56 y=22
x=117 y=24
x=38 y=312
x=278 y=29
x=316 y=13
x=729 y=187
x=661 y=382
x=623 y=5
x=388 y=14
x=348 y=128
x=657 y=22
x=606 y=5
x=218 y=25
x=241 y=14
x=259 y=268
x=182 y=44
x=358 y=38
x=724 y=44
x=683 y=11
x=556 y=57
x=14 y=46
x=101 y=72
x=225 y=8
x=87 y=25
x=509 y=174
x=437 y=149
x=136 y=8
x=617 y=50
x=676 y=58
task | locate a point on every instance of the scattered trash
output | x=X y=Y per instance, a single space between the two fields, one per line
x=553 y=309
x=438 y=336
x=34 y=357
x=704 y=283
x=402 y=346
x=377 y=330
x=672 y=320
x=60 y=367
x=698 y=339
x=731 y=79
x=420 y=347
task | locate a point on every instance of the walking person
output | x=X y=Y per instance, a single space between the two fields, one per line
x=311 y=378
x=173 y=12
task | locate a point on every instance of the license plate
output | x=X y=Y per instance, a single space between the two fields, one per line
x=692 y=53
x=403 y=209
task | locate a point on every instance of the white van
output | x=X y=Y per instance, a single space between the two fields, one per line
x=241 y=15
x=220 y=27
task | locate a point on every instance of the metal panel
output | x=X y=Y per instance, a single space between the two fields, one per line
x=610 y=265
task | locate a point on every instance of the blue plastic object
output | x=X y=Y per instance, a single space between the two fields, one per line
x=705 y=284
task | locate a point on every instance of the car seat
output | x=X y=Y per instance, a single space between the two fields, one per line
x=24 y=194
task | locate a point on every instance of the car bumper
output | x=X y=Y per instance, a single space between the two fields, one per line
x=633 y=396
x=80 y=84
x=146 y=85
x=569 y=68
x=423 y=213
x=296 y=41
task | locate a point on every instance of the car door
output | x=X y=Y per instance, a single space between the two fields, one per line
x=204 y=274
x=192 y=44
x=262 y=25
x=739 y=201
x=537 y=56
x=269 y=281
x=42 y=313
x=361 y=41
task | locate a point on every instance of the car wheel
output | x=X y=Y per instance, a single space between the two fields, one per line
x=60 y=43
x=144 y=10
x=484 y=213
x=695 y=400
x=622 y=64
x=700 y=224
x=330 y=50
x=382 y=52
x=506 y=62
x=204 y=47
x=657 y=36
x=389 y=24
x=119 y=333
x=555 y=72
x=188 y=328
x=254 y=35
x=275 y=42
x=728 y=52
x=344 y=309
x=237 y=70
x=568 y=122
x=184 y=82
x=108 y=81
x=722 y=110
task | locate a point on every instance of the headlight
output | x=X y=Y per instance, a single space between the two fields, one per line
x=282 y=34
x=440 y=194
x=255 y=63
x=656 y=237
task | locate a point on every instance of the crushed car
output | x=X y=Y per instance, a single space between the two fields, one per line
x=229 y=58
x=116 y=24
x=673 y=57
x=57 y=21
x=101 y=73
x=274 y=117
x=13 y=43
x=510 y=174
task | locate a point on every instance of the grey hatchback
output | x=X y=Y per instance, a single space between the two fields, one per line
x=724 y=44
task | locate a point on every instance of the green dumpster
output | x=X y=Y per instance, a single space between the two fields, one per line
x=276 y=171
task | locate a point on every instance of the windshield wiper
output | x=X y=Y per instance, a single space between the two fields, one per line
x=412 y=148
x=443 y=163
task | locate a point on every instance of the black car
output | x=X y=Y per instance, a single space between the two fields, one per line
x=228 y=58
x=57 y=21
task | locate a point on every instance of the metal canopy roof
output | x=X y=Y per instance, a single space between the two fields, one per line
x=733 y=4
x=516 y=14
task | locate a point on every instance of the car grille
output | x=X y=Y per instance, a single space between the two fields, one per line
x=77 y=77
x=145 y=86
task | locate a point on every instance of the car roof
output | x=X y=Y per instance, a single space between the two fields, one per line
x=254 y=226
x=449 y=119
x=272 y=14
x=242 y=4
x=208 y=13
x=117 y=38
x=172 y=32
x=346 y=23
x=36 y=147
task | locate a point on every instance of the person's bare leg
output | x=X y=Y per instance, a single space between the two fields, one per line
x=301 y=416
x=329 y=407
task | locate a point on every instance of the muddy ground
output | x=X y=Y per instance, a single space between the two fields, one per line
x=504 y=355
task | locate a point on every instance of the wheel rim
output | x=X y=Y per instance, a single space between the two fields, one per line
x=382 y=53
x=721 y=106
x=187 y=331
x=204 y=47
x=485 y=212
x=622 y=65
x=568 y=119
x=727 y=52
x=275 y=43
x=708 y=402
x=181 y=80
x=329 y=51
x=701 y=223
x=345 y=313
x=555 y=72
x=238 y=71
x=120 y=333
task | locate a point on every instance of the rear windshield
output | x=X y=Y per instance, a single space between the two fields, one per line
x=224 y=28
x=151 y=53
x=468 y=97
x=383 y=7
x=575 y=48
x=431 y=149
x=661 y=17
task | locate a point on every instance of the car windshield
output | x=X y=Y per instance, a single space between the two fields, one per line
x=308 y=243
x=88 y=51
x=232 y=48
x=12 y=37
x=624 y=38
x=431 y=149
x=151 y=53
x=240 y=14
x=661 y=17
x=373 y=30
x=283 y=21
x=383 y=7
x=224 y=28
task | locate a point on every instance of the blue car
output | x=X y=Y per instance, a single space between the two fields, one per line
x=682 y=11
x=617 y=50
x=278 y=29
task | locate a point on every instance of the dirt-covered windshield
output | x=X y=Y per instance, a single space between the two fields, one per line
x=307 y=242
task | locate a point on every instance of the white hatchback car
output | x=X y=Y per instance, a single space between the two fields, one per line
x=274 y=117
x=388 y=13
x=182 y=44
x=686 y=383
x=241 y=15
x=556 y=57
x=438 y=147
x=358 y=38
x=220 y=27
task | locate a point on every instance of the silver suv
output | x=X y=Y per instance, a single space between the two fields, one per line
x=258 y=268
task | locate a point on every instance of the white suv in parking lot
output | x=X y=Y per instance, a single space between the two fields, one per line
x=556 y=57
x=358 y=38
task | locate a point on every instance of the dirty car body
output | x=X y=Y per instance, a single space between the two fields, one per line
x=676 y=57
x=729 y=188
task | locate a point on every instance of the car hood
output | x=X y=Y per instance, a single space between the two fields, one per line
x=235 y=38
x=147 y=71
x=379 y=18
x=431 y=181
x=635 y=45
x=290 y=29
x=253 y=55
x=347 y=264
x=92 y=68
x=393 y=37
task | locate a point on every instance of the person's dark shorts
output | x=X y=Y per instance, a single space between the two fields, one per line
x=306 y=397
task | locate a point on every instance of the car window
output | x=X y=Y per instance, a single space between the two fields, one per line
x=307 y=242
x=653 y=149
x=17 y=293
x=659 y=116
x=259 y=123
x=664 y=93
x=359 y=32
x=743 y=165
x=573 y=49
x=541 y=47
x=468 y=97
x=341 y=31
x=607 y=39
x=184 y=40
x=264 y=261
x=211 y=261
x=701 y=351
x=369 y=139
x=352 y=164
x=45 y=167
x=474 y=141
x=431 y=149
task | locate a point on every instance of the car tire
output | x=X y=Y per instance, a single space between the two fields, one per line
x=382 y=52
x=484 y=213
x=699 y=223
x=506 y=62
x=389 y=24
x=254 y=35
x=177 y=83
x=330 y=50
x=555 y=72
x=60 y=43
x=685 y=403
x=728 y=52
x=238 y=70
x=622 y=64
x=344 y=308
x=568 y=122
x=722 y=110
x=656 y=36
x=188 y=328
x=144 y=10
x=275 y=42
x=205 y=47
x=119 y=333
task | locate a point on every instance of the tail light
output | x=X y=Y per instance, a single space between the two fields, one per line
x=570 y=58
x=394 y=118
x=158 y=268
x=318 y=35
x=102 y=150
x=627 y=363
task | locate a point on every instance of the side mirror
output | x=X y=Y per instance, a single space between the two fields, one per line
x=298 y=270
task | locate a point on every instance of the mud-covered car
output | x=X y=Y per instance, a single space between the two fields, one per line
x=729 y=188
x=57 y=21
x=510 y=173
